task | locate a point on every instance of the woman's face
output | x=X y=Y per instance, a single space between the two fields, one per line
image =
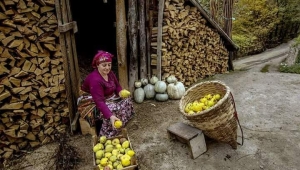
x=104 y=68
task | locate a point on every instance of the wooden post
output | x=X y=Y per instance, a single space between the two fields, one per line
x=121 y=43
x=73 y=46
x=149 y=42
x=213 y=9
x=67 y=54
x=159 y=36
x=132 y=26
x=227 y=9
x=148 y=37
x=142 y=31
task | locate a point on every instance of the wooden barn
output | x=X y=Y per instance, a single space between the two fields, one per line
x=40 y=41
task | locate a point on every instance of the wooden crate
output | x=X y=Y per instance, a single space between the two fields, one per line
x=134 y=162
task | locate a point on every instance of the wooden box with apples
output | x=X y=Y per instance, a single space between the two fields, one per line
x=114 y=153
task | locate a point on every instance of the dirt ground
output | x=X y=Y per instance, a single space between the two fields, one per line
x=268 y=109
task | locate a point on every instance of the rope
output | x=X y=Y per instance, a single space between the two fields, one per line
x=236 y=116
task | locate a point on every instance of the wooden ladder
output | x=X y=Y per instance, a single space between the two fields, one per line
x=189 y=135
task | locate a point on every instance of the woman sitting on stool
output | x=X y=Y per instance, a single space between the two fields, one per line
x=111 y=101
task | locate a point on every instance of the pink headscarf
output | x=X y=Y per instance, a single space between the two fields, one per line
x=101 y=57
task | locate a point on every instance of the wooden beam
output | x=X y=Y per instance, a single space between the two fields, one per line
x=142 y=31
x=75 y=66
x=68 y=26
x=60 y=10
x=227 y=13
x=73 y=43
x=159 y=36
x=121 y=43
x=148 y=38
x=133 y=31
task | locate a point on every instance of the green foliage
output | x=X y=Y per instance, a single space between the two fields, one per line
x=244 y=40
x=265 y=68
x=260 y=24
x=297 y=41
x=289 y=10
x=255 y=18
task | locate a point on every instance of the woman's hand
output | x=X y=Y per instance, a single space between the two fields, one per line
x=113 y=118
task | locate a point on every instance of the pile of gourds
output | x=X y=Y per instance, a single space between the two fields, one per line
x=160 y=90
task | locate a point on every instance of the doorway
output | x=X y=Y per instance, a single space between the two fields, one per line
x=96 y=31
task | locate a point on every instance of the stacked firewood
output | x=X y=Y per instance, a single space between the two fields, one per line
x=33 y=104
x=191 y=49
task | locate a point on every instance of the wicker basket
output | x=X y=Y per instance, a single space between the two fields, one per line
x=218 y=122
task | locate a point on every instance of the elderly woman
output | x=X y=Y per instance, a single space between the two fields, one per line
x=111 y=102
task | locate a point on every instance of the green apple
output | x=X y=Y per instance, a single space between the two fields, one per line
x=109 y=148
x=107 y=155
x=116 y=163
x=118 y=146
x=97 y=161
x=122 y=150
x=115 y=141
x=113 y=158
x=102 y=139
x=125 y=144
x=120 y=166
x=115 y=152
x=108 y=142
x=96 y=148
x=100 y=146
x=99 y=154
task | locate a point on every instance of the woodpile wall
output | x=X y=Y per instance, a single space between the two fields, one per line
x=191 y=48
x=33 y=105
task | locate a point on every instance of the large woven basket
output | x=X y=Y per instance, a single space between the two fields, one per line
x=218 y=122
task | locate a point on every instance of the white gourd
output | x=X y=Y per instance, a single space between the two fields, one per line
x=171 y=79
x=139 y=95
x=144 y=81
x=160 y=87
x=137 y=84
x=161 y=97
x=149 y=91
x=153 y=79
x=175 y=90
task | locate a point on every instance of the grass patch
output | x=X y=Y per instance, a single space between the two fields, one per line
x=290 y=69
x=295 y=68
x=265 y=68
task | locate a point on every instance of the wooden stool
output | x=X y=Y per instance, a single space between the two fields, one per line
x=189 y=135
x=86 y=128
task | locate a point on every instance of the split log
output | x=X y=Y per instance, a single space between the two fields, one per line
x=32 y=91
x=190 y=48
